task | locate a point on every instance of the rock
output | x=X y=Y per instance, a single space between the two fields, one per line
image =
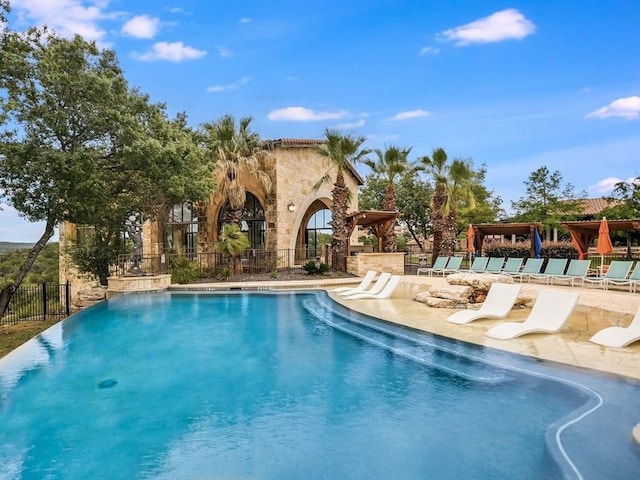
x=422 y=297
x=440 y=302
x=458 y=293
x=479 y=281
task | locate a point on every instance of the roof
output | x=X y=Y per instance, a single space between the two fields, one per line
x=368 y=218
x=593 y=206
x=594 y=225
x=307 y=143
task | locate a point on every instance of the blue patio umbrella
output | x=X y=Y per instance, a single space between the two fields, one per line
x=537 y=243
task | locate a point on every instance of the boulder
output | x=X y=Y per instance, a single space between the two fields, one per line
x=479 y=281
x=458 y=293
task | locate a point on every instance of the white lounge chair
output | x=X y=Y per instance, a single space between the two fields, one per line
x=498 y=304
x=385 y=293
x=619 y=336
x=549 y=314
x=364 y=284
x=377 y=287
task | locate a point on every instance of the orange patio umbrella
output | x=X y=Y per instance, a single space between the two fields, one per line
x=471 y=236
x=604 y=242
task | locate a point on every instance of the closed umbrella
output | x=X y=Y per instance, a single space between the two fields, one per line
x=471 y=238
x=537 y=243
x=604 y=242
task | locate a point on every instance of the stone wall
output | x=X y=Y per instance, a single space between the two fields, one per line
x=361 y=263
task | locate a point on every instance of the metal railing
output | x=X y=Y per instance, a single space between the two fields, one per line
x=38 y=302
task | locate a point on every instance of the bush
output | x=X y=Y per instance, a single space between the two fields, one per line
x=313 y=268
x=183 y=270
x=522 y=250
x=559 y=250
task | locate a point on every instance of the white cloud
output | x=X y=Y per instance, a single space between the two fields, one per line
x=507 y=24
x=66 y=17
x=349 y=125
x=301 y=114
x=141 y=26
x=228 y=87
x=224 y=52
x=410 y=114
x=628 y=108
x=429 y=51
x=608 y=184
x=245 y=20
x=172 y=52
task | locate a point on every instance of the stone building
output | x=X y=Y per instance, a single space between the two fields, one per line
x=289 y=217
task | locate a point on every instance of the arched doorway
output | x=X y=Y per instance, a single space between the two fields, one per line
x=252 y=222
x=317 y=232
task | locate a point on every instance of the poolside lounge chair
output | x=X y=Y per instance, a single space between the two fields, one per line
x=548 y=315
x=364 y=284
x=618 y=270
x=453 y=265
x=438 y=266
x=385 y=293
x=619 y=336
x=532 y=267
x=633 y=280
x=498 y=304
x=577 y=271
x=479 y=265
x=555 y=266
x=513 y=265
x=495 y=265
x=377 y=287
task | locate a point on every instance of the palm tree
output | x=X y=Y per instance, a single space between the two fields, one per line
x=390 y=165
x=453 y=182
x=235 y=151
x=340 y=152
x=232 y=242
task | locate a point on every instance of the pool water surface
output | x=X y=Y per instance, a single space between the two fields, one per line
x=292 y=386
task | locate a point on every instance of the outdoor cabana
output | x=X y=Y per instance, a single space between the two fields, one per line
x=481 y=230
x=377 y=221
x=583 y=233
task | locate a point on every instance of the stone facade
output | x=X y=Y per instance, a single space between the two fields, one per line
x=361 y=263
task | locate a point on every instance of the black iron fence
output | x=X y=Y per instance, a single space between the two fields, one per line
x=38 y=302
x=254 y=260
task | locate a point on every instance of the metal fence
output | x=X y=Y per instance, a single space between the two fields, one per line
x=254 y=260
x=38 y=302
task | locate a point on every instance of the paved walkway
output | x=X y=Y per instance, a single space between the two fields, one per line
x=597 y=309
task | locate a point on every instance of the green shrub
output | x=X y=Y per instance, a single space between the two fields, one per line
x=559 y=250
x=518 y=249
x=183 y=270
x=313 y=268
x=223 y=273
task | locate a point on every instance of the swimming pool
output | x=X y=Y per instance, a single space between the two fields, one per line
x=291 y=386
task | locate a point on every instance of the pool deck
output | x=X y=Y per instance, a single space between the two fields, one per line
x=597 y=309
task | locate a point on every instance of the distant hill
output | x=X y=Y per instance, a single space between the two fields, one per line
x=12 y=246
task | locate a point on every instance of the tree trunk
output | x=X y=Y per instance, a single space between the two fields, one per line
x=438 y=220
x=449 y=234
x=7 y=292
x=340 y=238
x=389 y=243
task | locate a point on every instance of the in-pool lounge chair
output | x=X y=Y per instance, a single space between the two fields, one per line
x=576 y=271
x=498 y=304
x=618 y=270
x=377 y=287
x=364 y=284
x=548 y=315
x=532 y=267
x=437 y=267
x=385 y=293
x=479 y=265
x=619 y=336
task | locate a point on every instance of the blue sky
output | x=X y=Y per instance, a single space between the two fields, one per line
x=516 y=85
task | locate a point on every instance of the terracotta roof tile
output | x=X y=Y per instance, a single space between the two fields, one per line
x=593 y=206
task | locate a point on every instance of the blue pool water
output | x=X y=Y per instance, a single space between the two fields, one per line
x=293 y=386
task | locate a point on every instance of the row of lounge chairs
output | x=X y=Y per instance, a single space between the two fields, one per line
x=382 y=288
x=550 y=312
x=557 y=271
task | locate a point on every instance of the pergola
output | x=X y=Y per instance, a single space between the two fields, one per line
x=583 y=233
x=379 y=221
x=483 y=229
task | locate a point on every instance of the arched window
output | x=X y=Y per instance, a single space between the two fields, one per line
x=252 y=221
x=318 y=232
